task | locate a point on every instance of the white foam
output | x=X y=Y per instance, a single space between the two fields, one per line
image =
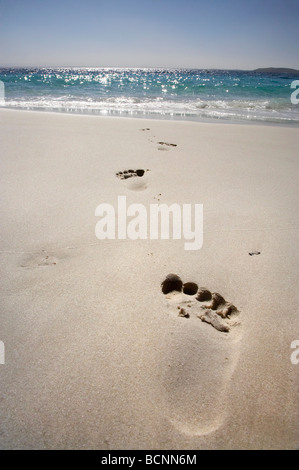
x=263 y=110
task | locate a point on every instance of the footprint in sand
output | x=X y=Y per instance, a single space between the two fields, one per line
x=201 y=358
x=165 y=145
x=209 y=307
x=36 y=260
x=254 y=253
x=135 y=179
x=45 y=258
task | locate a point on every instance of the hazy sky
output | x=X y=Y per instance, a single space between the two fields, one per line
x=241 y=34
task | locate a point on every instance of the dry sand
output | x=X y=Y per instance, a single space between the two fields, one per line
x=96 y=355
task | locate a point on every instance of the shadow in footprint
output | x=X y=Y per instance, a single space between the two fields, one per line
x=199 y=360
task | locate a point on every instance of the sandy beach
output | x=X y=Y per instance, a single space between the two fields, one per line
x=96 y=355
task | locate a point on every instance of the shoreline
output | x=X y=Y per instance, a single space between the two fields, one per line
x=221 y=121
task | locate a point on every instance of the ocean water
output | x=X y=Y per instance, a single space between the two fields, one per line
x=166 y=94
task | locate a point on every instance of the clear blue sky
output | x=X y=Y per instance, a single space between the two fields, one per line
x=227 y=34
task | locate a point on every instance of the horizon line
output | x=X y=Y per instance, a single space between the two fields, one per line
x=145 y=68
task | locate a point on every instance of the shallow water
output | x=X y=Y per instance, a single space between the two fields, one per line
x=167 y=94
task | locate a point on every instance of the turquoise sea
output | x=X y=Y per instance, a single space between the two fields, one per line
x=167 y=94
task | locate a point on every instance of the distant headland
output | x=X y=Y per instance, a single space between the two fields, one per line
x=276 y=70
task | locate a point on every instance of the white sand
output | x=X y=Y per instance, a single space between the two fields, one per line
x=96 y=356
